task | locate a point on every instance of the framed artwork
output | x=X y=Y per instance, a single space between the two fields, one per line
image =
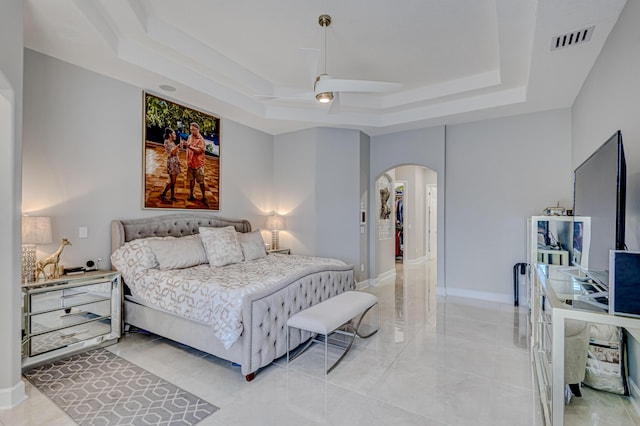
x=181 y=156
x=383 y=199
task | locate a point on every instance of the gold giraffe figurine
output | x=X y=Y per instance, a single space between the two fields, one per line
x=53 y=260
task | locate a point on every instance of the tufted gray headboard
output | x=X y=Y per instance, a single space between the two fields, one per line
x=173 y=225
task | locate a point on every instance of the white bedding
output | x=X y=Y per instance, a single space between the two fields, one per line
x=211 y=296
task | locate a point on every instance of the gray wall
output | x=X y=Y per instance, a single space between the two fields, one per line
x=11 y=82
x=365 y=173
x=499 y=172
x=422 y=147
x=318 y=182
x=610 y=100
x=83 y=157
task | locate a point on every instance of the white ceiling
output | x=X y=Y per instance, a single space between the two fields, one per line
x=254 y=61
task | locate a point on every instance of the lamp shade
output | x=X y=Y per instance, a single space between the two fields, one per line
x=36 y=230
x=275 y=222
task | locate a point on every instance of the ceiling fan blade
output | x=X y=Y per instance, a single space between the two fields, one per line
x=288 y=94
x=330 y=84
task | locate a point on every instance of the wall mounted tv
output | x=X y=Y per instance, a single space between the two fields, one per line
x=600 y=193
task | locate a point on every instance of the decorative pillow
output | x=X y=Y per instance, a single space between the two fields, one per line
x=252 y=245
x=178 y=253
x=221 y=245
x=134 y=255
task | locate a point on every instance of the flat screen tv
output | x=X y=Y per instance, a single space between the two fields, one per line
x=600 y=193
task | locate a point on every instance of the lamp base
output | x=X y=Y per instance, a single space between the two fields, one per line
x=28 y=263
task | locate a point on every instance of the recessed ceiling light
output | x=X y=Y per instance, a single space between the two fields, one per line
x=167 y=88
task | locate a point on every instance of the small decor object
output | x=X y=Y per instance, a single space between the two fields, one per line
x=52 y=261
x=35 y=230
x=606 y=361
x=181 y=156
x=75 y=270
x=275 y=223
x=555 y=211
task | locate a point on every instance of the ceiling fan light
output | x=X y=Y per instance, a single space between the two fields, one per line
x=324 y=97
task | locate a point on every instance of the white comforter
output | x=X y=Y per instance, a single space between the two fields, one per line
x=213 y=296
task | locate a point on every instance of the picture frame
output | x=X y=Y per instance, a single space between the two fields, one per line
x=181 y=171
x=384 y=206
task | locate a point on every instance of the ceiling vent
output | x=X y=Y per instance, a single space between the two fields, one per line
x=572 y=38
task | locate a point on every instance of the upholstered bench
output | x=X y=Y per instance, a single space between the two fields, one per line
x=329 y=316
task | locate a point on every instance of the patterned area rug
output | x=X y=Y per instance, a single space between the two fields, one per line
x=100 y=388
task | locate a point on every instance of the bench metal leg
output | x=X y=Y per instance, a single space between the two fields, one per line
x=350 y=330
x=357 y=327
x=354 y=332
x=309 y=342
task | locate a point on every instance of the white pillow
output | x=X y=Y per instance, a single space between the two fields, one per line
x=221 y=245
x=134 y=255
x=178 y=253
x=252 y=245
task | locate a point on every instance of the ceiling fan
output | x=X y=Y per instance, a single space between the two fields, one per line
x=327 y=88
x=325 y=85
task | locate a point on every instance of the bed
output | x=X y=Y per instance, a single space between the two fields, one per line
x=263 y=301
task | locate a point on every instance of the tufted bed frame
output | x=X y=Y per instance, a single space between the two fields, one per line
x=264 y=314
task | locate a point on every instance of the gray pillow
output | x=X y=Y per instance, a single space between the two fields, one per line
x=221 y=245
x=178 y=253
x=252 y=245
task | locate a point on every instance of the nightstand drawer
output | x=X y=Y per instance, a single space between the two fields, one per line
x=60 y=338
x=69 y=297
x=60 y=318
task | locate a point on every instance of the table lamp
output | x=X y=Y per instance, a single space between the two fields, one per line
x=275 y=223
x=35 y=230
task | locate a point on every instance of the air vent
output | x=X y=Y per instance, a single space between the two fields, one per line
x=572 y=38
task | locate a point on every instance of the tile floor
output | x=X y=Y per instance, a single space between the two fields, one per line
x=435 y=361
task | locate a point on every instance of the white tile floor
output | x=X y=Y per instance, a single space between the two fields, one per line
x=433 y=362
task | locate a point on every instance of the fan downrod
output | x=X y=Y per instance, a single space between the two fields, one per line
x=324 y=20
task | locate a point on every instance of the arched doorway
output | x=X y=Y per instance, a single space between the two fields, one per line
x=406 y=218
x=424 y=147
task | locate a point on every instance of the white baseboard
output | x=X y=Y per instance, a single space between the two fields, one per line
x=364 y=284
x=10 y=397
x=387 y=275
x=481 y=295
x=416 y=261
x=634 y=398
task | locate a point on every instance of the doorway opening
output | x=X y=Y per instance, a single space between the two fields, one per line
x=406 y=241
x=400 y=187
x=406 y=220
